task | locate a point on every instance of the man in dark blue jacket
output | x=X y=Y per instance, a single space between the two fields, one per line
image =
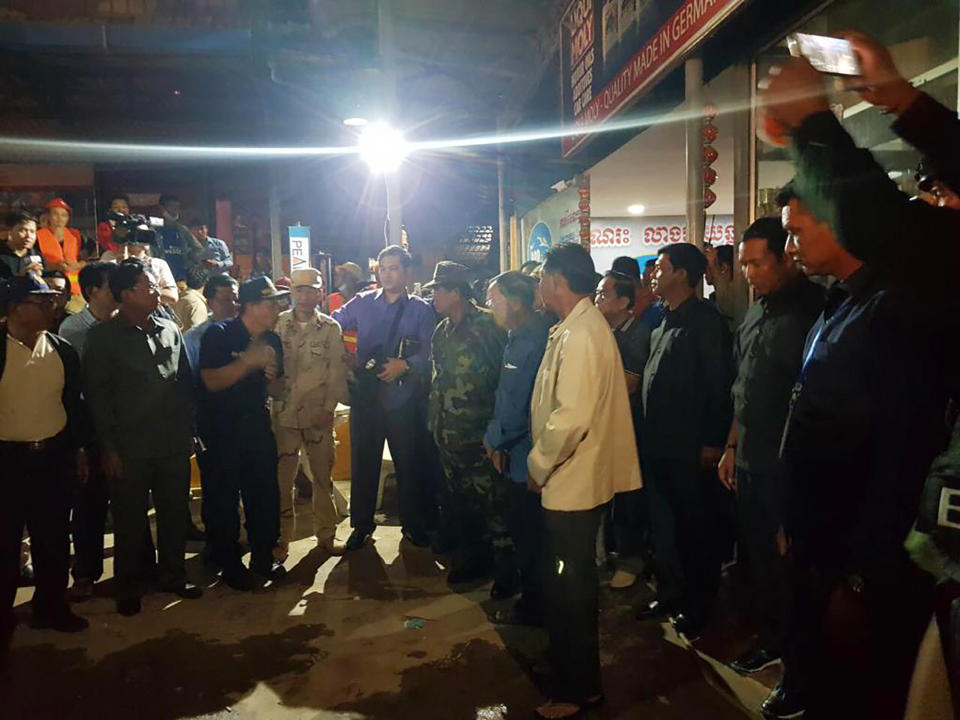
x=512 y=296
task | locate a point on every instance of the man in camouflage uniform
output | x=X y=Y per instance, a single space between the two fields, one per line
x=467 y=349
x=315 y=377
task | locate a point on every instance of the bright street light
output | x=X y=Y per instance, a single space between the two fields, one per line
x=382 y=147
x=356 y=122
x=636 y=209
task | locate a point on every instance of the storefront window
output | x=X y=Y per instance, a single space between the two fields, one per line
x=923 y=38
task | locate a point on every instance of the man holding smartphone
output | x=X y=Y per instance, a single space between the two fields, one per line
x=17 y=255
x=388 y=398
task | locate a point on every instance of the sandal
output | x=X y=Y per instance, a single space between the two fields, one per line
x=552 y=710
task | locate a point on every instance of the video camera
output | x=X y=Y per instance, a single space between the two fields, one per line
x=132 y=228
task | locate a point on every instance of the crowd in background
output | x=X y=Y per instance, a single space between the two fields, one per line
x=560 y=407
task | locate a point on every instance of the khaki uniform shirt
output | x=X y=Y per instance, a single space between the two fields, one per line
x=584 y=449
x=314 y=368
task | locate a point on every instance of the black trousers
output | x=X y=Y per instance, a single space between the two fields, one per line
x=525 y=522
x=404 y=428
x=759 y=516
x=167 y=481
x=244 y=467
x=572 y=602
x=37 y=493
x=88 y=524
x=683 y=518
x=857 y=651
x=631 y=527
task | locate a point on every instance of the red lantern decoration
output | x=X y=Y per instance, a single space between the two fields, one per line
x=709 y=197
x=710 y=154
x=710 y=133
x=709 y=176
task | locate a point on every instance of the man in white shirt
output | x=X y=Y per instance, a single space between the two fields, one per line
x=582 y=430
x=39 y=452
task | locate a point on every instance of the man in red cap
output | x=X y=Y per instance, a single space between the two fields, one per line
x=60 y=245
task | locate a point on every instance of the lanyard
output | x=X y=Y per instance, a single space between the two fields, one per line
x=798 y=385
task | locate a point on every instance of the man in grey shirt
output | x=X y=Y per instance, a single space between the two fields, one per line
x=95 y=287
x=139 y=388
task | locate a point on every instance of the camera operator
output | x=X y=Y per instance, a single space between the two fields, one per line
x=134 y=237
x=40 y=432
x=139 y=386
x=388 y=401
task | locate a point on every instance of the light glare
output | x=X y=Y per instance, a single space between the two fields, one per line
x=636 y=209
x=383 y=148
x=356 y=122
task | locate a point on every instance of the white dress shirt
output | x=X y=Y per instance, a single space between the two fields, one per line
x=584 y=448
x=31 y=392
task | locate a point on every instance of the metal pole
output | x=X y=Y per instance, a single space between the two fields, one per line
x=696 y=220
x=504 y=233
x=276 y=234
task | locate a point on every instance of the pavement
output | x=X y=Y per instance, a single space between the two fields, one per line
x=376 y=634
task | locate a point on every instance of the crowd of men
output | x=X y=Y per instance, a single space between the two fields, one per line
x=571 y=403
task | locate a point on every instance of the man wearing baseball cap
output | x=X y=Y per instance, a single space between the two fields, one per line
x=239 y=360
x=40 y=431
x=315 y=381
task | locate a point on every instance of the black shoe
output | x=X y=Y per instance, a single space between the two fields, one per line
x=26 y=576
x=505 y=587
x=272 y=571
x=755 y=660
x=416 y=537
x=780 y=705
x=358 y=538
x=64 y=621
x=655 y=610
x=689 y=626
x=188 y=591
x=195 y=534
x=468 y=573
x=128 y=607
x=239 y=579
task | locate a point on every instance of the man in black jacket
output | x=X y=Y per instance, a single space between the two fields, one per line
x=865 y=420
x=40 y=452
x=768 y=350
x=686 y=417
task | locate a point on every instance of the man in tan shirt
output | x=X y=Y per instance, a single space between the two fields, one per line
x=584 y=452
x=315 y=377
x=191 y=309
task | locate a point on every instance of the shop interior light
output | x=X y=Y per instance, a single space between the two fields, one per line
x=636 y=209
x=356 y=122
x=382 y=147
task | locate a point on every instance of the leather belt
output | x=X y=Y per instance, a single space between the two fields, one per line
x=29 y=445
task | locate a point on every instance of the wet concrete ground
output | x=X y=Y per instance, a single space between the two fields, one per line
x=334 y=640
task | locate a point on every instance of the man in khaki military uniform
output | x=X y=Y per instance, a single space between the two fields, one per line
x=315 y=380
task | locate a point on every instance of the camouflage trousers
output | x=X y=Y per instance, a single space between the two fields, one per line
x=319 y=448
x=476 y=496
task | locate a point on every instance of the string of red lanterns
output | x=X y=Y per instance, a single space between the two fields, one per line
x=710 y=155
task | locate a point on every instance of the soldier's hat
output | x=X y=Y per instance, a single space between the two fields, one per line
x=260 y=288
x=449 y=275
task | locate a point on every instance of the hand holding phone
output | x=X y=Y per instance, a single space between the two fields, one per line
x=829 y=55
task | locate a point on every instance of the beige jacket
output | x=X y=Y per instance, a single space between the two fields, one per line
x=314 y=369
x=584 y=449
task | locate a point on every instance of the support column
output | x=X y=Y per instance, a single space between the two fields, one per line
x=744 y=190
x=394 y=206
x=276 y=232
x=696 y=220
x=504 y=231
x=388 y=75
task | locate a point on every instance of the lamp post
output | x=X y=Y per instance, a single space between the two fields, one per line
x=384 y=148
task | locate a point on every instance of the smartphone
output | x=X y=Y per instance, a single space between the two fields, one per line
x=830 y=55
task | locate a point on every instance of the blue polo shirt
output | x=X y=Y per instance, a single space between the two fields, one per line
x=242 y=408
